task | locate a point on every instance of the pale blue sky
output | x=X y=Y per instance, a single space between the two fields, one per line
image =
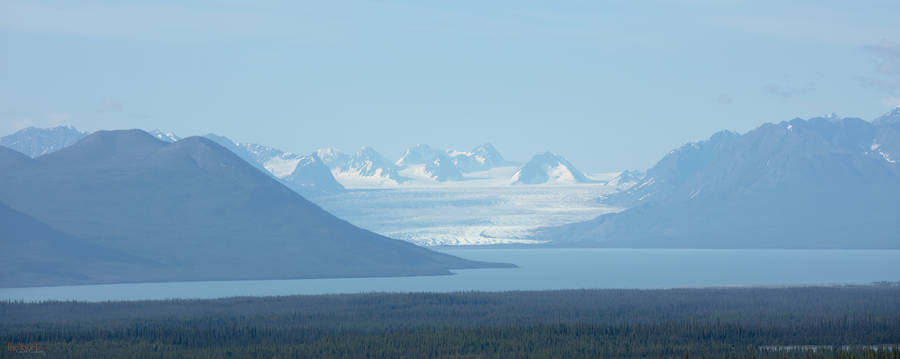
x=611 y=85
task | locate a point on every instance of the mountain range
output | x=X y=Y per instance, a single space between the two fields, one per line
x=364 y=169
x=818 y=183
x=422 y=160
x=481 y=158
x=306 y=174
x=142 y=209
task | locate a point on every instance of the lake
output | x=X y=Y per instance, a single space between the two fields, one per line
x=542 y=269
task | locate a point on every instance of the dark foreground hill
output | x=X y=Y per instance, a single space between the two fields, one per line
x=33 y=251
x=190 y=210
x=819 y=183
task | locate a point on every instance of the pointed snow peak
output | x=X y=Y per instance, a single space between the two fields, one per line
x=311 y=177
x=328 y=152
x=419 y=155
x=366 y=166
x=486 y=147
x=442 y=169
x=332 y=157
x=889 y=118
x=549 y=168
x=369 y=153
x=488 y=151
x=481 y=158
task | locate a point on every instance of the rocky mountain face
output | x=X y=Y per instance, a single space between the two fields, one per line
x=431 y=163
x=35 y=142
x=365 y=166
x=481 y=158
x=817 y=183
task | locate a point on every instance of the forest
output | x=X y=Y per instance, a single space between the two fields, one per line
x=798 y=322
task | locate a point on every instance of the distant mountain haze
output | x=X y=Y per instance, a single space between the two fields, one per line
x=302 y=173
x=481 y=158
x=35 y=142
x=431 y=163
x=549 y=168
x=366 y=166
x=198 y=211
x=364 y=169
x=887 y=137
x=311 y=175
x=818 y=183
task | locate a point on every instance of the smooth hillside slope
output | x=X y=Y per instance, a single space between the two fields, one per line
x=198 y=211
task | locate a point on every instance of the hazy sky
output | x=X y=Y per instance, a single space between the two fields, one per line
x=609 y=84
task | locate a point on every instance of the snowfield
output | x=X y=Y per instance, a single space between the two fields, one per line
x=466 y=214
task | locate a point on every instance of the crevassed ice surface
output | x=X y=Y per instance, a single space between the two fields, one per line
x=462 y=215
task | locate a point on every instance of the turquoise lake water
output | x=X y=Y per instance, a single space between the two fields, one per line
x=542 y=269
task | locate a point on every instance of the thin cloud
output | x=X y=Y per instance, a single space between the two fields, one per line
x=110 y=106
x=724 y=100
x=787 y=91
x=885 y=75
x=155 y=22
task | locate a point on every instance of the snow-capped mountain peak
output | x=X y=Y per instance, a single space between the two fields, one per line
x=626 y=179
x=168 y=136
x=313 y=177
x=425 y=162
x=549 y=168
x=419 y=155
x=890 y=118
x=365 y=168
x=481 y=158
x=283 y=165
x=35 y=142
x=331 y=156
x=311 y=174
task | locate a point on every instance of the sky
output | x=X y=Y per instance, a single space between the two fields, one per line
x=610 y=85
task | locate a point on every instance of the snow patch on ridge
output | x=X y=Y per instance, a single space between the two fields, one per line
x=282 y=166
x=560 y=174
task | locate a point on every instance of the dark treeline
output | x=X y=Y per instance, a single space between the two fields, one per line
x=857 y=321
